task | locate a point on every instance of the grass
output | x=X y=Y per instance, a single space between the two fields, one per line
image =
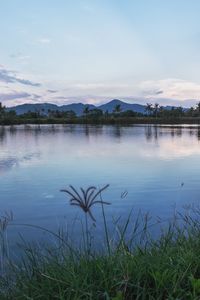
x=131 y=264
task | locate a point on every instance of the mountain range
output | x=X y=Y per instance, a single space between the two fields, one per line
x=78 y=108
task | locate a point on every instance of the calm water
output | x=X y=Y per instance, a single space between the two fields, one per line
x=149 y=162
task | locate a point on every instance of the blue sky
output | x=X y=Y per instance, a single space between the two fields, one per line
x=95 y=50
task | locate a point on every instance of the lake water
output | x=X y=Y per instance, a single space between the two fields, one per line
x=159 y=167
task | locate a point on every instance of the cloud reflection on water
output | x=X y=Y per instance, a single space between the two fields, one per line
x=7 y=163
x=24 y=145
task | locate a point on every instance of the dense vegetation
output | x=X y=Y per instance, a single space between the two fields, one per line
x=131 y=264
x=153 y=114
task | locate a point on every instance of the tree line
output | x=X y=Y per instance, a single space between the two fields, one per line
x=151 y=112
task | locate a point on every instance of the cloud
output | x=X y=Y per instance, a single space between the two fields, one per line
x=34 y=96
x=172 y=150
x=14 y=98
x=168 y=91
x=20 y=56
x=8 y=162
x=14 y=95
x=172 y=88
x=152 y=92
x=44 y=40
x=159 y=92
x=99 y=89
x=10 y=77
x=178 y=89
x=52 y=91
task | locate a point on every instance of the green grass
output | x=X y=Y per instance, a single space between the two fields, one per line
x=166 y=270
x=131 y=264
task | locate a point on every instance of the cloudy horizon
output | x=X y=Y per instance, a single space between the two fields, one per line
x=95 y=51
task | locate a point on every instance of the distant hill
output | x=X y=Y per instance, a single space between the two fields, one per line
x=24 y=108
x=78 y=108
x=123 y=105
x=44 y=108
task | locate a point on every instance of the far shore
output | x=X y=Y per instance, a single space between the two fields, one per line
x=100 y=121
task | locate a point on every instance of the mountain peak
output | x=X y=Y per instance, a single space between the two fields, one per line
x=115 y=102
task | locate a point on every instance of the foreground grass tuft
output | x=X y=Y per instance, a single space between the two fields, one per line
x=164 y=271
x=128 y=268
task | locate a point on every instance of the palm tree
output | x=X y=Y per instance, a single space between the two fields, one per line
x=156 y=109
x=180 y=111
x=161 y=109
x=2 y=109
x=198 y=107
x=191 y=111
x=37 y=111
x=117 y=108
x=149 y=108
x=86 y=110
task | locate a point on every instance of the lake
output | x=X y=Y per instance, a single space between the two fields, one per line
x=159 y=167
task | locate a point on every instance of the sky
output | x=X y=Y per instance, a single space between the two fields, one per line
x=92 y=51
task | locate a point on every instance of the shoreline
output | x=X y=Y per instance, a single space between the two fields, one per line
x=103 y=121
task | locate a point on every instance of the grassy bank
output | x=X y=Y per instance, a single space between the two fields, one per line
x=132 y=266
x=166 y=270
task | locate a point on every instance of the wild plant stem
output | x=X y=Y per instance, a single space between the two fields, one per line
x=105 y=226
x=87 y=233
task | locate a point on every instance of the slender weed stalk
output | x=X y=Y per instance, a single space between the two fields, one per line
x=105 y=226
x=4 y=247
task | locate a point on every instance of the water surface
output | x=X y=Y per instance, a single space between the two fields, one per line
x=159 y=167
